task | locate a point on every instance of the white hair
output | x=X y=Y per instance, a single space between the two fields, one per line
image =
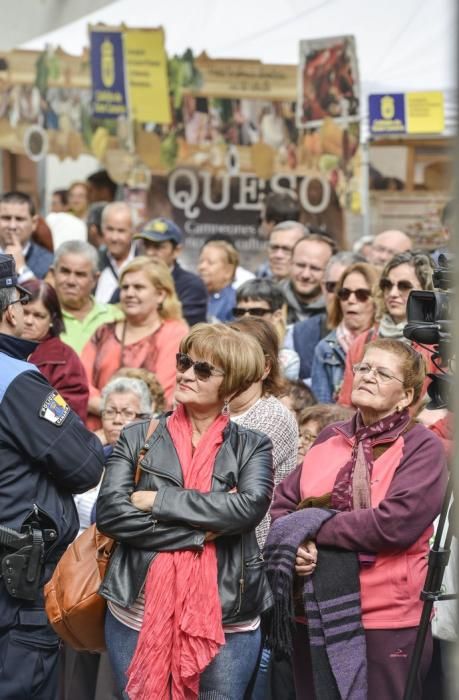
x=75 y=247
x=114 y=208
x=126 y=385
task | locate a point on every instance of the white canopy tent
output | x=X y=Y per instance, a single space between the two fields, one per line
x=401 y=44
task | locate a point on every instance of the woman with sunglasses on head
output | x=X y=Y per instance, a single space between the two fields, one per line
x=186 y=584
x=383 y=477
x=402 y=274
x=350 y=312
x=43 y=323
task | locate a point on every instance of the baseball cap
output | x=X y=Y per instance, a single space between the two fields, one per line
x=161 y=229
x=8 y=275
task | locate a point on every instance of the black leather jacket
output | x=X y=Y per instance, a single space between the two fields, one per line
x=180 y=517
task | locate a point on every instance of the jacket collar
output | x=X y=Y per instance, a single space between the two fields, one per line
x=16 y=347
x=162 y=456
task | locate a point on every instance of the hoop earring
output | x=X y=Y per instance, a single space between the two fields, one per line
x=225 y=409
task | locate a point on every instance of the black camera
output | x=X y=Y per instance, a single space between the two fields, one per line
x=429 y=323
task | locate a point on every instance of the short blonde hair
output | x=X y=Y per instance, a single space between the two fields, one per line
x=239 y=355
x=412 y=363
x=232 y=256
x=371 y=276
x=160 y=277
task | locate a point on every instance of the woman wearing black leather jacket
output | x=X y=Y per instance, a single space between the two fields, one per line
x=186 y=584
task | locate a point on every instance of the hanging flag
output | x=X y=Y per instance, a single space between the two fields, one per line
x=109 y=99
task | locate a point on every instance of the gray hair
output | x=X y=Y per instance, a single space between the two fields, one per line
x=115 y=207
x=345 y=258
x=126 y=385
x=6 y=297
x=361 y=242
x=78 y=248
x=287 y=225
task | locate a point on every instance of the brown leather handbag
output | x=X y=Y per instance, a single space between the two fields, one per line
x=74 y=607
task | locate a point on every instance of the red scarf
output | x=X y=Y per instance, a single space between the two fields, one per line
x=182 y=627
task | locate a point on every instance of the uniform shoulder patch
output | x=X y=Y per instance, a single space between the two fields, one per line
x=54 y=409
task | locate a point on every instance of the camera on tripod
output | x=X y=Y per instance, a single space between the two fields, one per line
x=430 y=323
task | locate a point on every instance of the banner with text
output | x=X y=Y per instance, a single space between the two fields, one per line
x=109 y=99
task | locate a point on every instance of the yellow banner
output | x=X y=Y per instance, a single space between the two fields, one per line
x=425 y=112
x=146 y=75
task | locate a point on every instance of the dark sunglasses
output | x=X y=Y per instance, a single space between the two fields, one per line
x=253 y=311
x=360 y=294
x=386 y=285
x=202 y=370
x=23 y=299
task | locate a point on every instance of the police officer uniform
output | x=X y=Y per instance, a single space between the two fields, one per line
x=46 y=455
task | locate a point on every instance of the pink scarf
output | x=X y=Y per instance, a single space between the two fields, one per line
x=182 y=628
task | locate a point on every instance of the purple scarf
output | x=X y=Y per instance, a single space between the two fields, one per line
x=352 y=487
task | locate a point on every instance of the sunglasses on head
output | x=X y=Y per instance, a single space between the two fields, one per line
x=202 y=370
x=360 y=294
x=252 y=311
x=386 y=285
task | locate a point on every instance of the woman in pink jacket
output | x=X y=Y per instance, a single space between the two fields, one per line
x=385 y=475
x=148 y=337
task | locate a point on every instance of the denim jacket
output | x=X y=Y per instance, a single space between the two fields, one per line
x=327 y=369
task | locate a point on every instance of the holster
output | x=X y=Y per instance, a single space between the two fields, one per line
x=22 y=565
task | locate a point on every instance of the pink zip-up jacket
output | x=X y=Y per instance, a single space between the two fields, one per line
x=407 y=488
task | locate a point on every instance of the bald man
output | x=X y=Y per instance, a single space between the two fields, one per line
x=387 y=244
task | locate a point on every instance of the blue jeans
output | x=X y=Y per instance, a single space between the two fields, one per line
x=226 y=678
x=260 y=690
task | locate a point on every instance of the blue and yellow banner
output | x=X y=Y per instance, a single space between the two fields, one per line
x=407 y=113
x=109 y=98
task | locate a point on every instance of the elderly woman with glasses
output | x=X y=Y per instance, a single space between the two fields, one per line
x=350 y=312
x=382 y=475
x=402 y=274
x=186 y=584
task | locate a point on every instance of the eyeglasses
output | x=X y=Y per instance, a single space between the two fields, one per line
x=127 y=414
x=258 y=311
x=202 y=370
x=331 y=286
x=23 y=300
x=307 y=437
x=360 y=294
x=281 y=248
x=381 y=373
x=386 y=285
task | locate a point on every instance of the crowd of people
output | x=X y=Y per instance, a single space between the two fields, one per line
x=288 y=492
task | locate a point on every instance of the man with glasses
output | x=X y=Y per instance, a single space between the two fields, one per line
x=46 y=455
x=282 y=240
x=305 y=335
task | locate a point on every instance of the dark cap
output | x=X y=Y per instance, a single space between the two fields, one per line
x=161 y=229
x=8 y=276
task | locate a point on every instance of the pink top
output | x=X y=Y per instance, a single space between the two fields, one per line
x=407 y=488
x=102 y=356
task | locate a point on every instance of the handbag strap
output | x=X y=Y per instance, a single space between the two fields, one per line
x=151 y=429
